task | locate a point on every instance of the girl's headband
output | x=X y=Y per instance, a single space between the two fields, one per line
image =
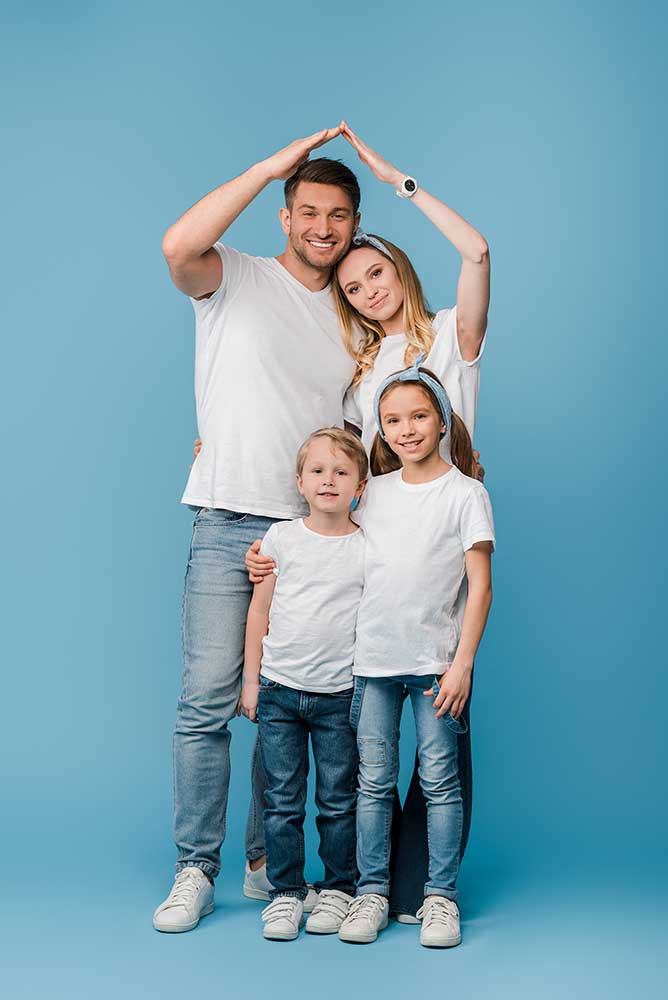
x=362 y=239
x=415 y=374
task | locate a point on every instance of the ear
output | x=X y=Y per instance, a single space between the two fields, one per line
x=300 y=485
x=284 y=218
x=356 y=222
x=360 y=489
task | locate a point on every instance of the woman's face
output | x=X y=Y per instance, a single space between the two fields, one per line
x=370 y=282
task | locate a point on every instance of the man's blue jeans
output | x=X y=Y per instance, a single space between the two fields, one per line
x=215 y=606
x=286 y=718
x=376 y=714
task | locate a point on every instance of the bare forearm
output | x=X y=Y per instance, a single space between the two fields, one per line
x=466 y=240
x=476 y=612
x=257 y=626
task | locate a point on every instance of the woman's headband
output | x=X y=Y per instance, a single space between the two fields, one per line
x=362 y=239
x=415 y=374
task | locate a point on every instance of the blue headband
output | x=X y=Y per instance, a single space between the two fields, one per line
x=414 y=374
x=362 y=239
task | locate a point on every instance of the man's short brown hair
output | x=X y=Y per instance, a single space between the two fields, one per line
x=345 y=441
x=324 y=171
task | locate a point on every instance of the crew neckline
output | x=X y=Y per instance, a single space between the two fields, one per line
x=431 y=483
x=336 y=538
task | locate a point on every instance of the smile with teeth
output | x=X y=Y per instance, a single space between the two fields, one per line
x=319 y=245
x=410 y=445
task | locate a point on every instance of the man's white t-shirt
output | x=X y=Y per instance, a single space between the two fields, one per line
x=410 y=616
x=460 y=378
x=313 y=612
x=270 y=368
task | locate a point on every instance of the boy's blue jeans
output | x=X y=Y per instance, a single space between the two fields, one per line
x=286 y=718
x=375 y=714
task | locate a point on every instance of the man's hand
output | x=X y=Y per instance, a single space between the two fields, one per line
x=285 y=162
x=478 y=469
x=258 y=566
x=248 y=701
x=197 y=447
x=454 y=690
x=379 y=167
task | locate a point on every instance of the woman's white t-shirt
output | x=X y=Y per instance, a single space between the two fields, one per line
x=460 y=378
x=313 y=612
x=410 y=616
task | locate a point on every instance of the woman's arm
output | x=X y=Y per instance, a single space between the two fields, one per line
x=473 y=285
x=455 y=685
x=257 y=626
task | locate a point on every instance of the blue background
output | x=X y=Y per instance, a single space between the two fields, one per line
x=541 y=124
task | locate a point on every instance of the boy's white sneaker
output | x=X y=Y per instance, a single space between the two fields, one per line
x=440 y=923
x=191 y=898
x=258 y=886
x=283 y=918
x=366 y=917
x=329 y=912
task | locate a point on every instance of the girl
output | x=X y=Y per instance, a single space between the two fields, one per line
x=427 y=593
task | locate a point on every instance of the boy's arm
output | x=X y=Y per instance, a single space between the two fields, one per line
x=455 y=685
x=257 y=626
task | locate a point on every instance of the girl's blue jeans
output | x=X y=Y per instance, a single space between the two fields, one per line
x=375 y=714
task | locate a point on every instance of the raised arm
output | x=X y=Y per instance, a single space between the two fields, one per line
x=194 y=265
x=257 y=626
x=473 y=285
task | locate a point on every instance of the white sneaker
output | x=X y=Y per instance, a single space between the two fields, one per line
x=283 y=918
x=407 y=918
x=191 y=898
x=258 y=886
x=366 y=917
x=329 y=912
x=440 y=923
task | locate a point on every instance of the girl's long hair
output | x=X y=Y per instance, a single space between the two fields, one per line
x=363 y=337
x=384 y=460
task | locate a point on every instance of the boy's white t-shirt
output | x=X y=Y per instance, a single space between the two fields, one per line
x=410 y=616
x=460 y=378
x=313 y=612
x=270 y=368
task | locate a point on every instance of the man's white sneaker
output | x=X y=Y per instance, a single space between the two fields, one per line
x=440 y=923
x=329 y=912
x=191 y=898
x=258 y=886
x=366 y=917
x=283 y=918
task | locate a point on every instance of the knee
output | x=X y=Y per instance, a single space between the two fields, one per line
x=377 y=769
x=441 y=786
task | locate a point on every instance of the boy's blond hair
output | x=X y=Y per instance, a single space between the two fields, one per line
x=346 y=441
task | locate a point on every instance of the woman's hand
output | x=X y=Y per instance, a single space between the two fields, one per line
x=258 y=566
x=454 y=690
x=378 y=166
x=286 y=162
x=247 y=704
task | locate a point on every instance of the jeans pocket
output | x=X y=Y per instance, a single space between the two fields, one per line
x=456 y=725
x=266 y=684
x=356 y=703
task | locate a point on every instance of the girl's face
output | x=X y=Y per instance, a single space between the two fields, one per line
x=371 y=284
x=411 y=424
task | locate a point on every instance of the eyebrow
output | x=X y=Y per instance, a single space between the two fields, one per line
x=315 y=208
x=353 y=281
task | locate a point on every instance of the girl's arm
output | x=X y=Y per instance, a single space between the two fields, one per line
x=455 y=684
x=473 y=285
x=257 y=626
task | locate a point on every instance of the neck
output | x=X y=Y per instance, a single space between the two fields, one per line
x=330 y=524
x=313 y=278
x=431 y=467
x=395 y=324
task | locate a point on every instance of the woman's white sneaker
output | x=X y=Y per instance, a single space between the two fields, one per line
x=329 y=912
x=258 y=886
x=366 y=917
x=190 y=899
x=440 y=923
x=283 y=918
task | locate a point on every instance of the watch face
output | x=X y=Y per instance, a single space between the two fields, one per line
x=409 y=184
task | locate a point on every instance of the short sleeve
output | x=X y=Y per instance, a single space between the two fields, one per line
x=235 y=267
x=351 y=408
x=476 y=523
x=270 y=546
x=445 y=350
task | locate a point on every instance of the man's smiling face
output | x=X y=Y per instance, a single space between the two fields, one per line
x=320 y=224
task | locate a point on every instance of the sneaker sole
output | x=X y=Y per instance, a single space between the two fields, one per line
x=452 y=943
x=251 y=893
x=407 y=918
x=182 y=928
x=351 y=938
x=281 y=935
x=319 y=930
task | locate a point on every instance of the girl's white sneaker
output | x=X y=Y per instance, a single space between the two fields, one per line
x=329 y=912
x=283 y=918
x=191 y=898
x=367 y=916
x=440 y=923
x=258 y=886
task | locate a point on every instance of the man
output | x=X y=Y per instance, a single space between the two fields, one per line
x=270 y=367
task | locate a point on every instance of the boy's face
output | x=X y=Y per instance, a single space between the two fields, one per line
x=330 y=480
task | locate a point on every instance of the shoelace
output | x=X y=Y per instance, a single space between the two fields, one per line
x=331 y=903
x=362 y=908
x=279 y=908
x=186 y=887
x=438 y=911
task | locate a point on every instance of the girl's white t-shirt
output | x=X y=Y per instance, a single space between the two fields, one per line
x=460 y=378
x=410 y=616
x=313 y=612
x=270 y=368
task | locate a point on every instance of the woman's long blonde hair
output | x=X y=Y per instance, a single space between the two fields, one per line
x=417 y=316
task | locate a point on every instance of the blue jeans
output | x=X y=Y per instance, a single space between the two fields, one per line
x=376 y=715
x=286 y=718
x=215 y=606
